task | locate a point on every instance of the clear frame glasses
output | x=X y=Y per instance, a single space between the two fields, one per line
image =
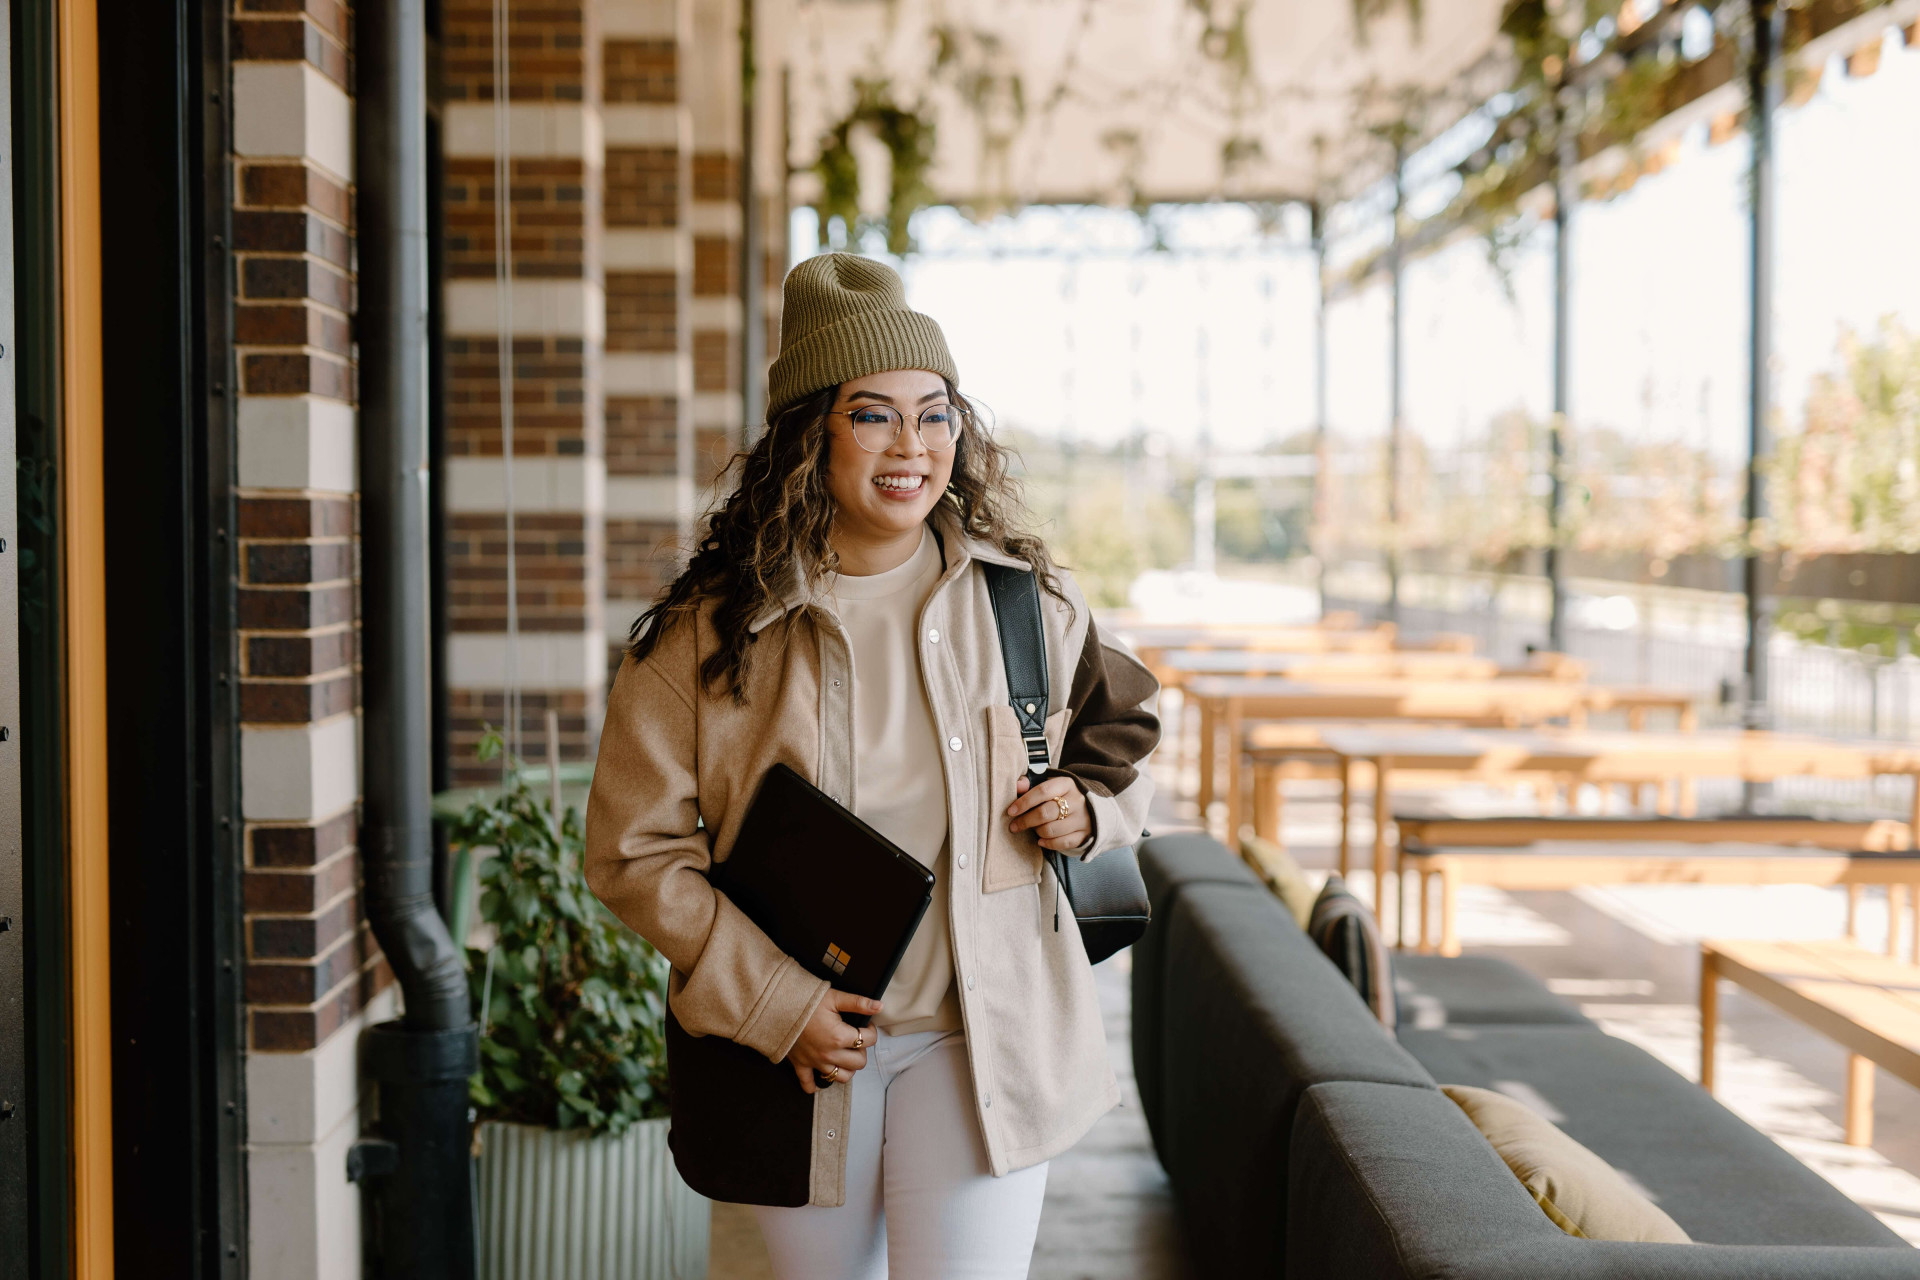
x=877 y=426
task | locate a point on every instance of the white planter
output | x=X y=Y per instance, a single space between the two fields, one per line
x=565 y=1206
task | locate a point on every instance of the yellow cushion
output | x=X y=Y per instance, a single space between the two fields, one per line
x=1583 y=1194
x=1283 y=875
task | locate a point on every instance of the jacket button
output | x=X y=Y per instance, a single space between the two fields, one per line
x=830 y=1135
x=934 y=635
x=953 y=743
x=969 y=982
x=963 y=861
x=986 y=1100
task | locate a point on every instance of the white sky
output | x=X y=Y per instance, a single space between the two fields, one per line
x=1219 y=332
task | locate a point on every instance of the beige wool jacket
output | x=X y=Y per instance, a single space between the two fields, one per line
x=677 y=768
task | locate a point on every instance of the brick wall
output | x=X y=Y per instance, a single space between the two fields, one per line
x=557 y=347
x=649 y=406
x=313 y=973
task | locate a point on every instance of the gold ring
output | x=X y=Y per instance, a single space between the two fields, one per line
x=833 y=1074
x=859 y=1037
x=1063 y=807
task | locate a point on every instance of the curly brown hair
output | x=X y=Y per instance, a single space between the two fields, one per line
x=779 y=520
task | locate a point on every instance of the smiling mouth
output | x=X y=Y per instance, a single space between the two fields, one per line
x=900 y=484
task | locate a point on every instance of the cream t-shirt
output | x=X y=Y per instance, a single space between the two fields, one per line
x=899 y=786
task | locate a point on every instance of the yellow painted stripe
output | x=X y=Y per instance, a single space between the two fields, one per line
x=84 y=531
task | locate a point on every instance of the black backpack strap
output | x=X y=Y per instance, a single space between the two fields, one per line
x=1015 y=594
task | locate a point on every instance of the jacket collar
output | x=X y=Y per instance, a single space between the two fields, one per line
x=958 y=547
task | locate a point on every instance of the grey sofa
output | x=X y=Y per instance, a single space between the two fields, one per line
x=1303 y=1140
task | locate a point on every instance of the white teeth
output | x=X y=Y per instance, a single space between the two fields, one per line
x=900 y=484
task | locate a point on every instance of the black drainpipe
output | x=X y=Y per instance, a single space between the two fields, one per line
x=415 y=1167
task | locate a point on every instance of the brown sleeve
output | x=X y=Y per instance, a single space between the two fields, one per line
x=1111 y=730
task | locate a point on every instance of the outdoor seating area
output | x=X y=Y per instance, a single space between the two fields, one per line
x=1423 y=793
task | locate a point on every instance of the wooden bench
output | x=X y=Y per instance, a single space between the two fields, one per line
x=1869 y=1004
x=1558 y=870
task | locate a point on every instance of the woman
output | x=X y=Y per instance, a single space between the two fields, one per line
x=832 y=619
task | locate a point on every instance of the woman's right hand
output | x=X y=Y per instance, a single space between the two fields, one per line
x=827 y=1041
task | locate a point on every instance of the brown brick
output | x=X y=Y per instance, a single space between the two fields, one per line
x=295 y=517
x=642 y=311
x=641 y=433
x=284 y=609
x=639 y=71
x=289 y=562
x=301 y=845
x=289 y=231
x=294 y=186
x=295 y=702
x=715 y=176
x=716 y=260
x=301 y=891
x=304 y=936
x=289 y=278
x=277 y=374
x=302 y=655
x=642 y=187
x=713 y=361
x=290 y=40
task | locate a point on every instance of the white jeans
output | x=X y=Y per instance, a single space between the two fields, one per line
x=922 y=1202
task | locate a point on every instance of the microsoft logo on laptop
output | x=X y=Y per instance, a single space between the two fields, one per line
x=836 y=959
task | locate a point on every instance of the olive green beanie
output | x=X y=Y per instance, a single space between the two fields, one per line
x=842 y=317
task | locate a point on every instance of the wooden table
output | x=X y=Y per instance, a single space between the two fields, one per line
x=1672 y=761
x=1553 y=868
x=1868 y=1003
x=1229 y=702
x=1148 y=643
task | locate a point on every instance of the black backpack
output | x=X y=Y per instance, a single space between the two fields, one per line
x=1108 y=897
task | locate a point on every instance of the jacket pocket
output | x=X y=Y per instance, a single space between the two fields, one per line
x=1011 y=860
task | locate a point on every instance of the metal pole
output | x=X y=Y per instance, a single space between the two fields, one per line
x=1566 y=189
x=417 y=1171
x=1394 y=379
x=1761 y=93
x=753 y=293
x=1317 y=225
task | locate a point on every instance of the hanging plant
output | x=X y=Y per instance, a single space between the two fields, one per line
x=908 y=136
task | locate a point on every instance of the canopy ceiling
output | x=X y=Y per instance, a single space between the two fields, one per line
x=1141 y=101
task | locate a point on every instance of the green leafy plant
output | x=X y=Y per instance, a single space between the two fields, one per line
x=571 y=1002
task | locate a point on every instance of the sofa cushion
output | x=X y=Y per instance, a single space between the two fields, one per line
x=1392 y=1183
x=1720 y=1179
x=1168 y=863
x=1343 y=928
x=1283 y=875
x=1253 y=1015
x=1580 y=1192
x=1437 y=991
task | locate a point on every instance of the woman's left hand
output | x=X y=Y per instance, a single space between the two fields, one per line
x=1039 y=810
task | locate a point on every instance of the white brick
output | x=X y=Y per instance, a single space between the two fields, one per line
x=719 y=409
x=297 y=442
x=715 y=313
x=665 y=498
x=539 y=484
x=289 y=109
x=715 y=218
x=638 y=19
x=639 y=249
x=535 y=131
x=303 y=1113
x=647 y=373
x=647 y=124
x=546 y=660
x=541 y=309
x=301 y=772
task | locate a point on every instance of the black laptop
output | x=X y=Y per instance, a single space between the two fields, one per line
x=831 y=892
